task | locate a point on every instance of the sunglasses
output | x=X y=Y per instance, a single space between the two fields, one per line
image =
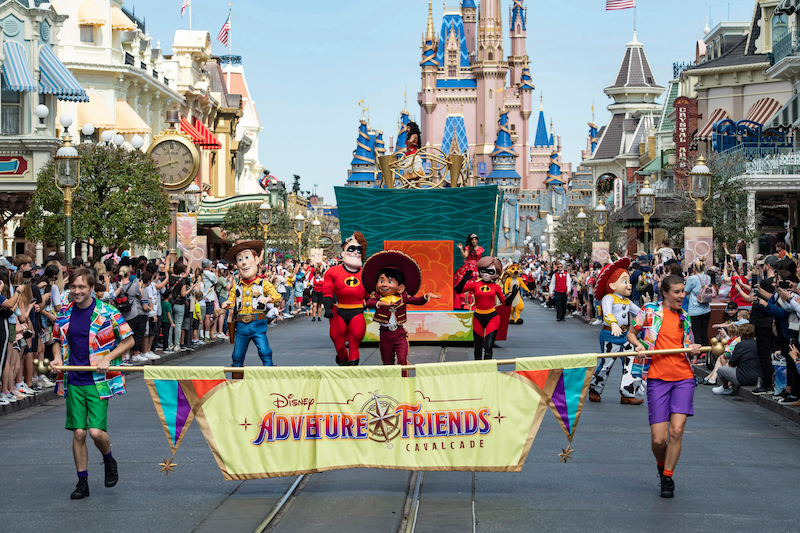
x=489 y=271
x=354 y=249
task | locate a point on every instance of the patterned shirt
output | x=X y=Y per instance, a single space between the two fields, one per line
x=648 y=321
x=107 y=329
x=244 y=296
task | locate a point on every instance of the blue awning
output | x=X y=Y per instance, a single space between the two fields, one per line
x=56 y=79
x=17 y=74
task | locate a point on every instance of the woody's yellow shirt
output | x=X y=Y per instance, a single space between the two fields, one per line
x=244 y=296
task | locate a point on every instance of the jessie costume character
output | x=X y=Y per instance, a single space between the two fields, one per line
x=485 y=320
x=613 y=289
x=396 y=277
x=346 y=315
x=249 y=298
x=472 y=254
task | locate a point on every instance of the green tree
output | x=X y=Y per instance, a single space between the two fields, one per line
x=568 y=236
x=119 y=201
x=725 y=210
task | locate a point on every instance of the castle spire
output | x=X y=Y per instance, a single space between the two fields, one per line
x=504 y=158
x=541 y=126
x=429 y=32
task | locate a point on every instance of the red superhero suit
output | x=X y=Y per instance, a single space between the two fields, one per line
x=347 y=315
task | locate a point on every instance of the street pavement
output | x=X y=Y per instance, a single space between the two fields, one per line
x=737 y=471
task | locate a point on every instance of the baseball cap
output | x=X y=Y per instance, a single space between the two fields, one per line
x=205 y=263
x=222 y=266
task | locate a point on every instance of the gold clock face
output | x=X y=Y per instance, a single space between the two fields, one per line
x=177 y=160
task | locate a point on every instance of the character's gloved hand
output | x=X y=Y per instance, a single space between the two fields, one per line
x=513 y=294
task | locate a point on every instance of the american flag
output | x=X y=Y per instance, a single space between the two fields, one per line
x=611 y=5
x=223 y=33
x=186 y=3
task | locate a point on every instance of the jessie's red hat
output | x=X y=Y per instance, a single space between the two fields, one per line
x=392 y=259
x=605 y=274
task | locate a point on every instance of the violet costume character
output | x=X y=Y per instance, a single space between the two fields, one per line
x=614 y=288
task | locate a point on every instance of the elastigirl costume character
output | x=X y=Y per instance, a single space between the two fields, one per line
x=396 y=278
x=343 y=282
x=485 y=320
x=249 y=298
x=613 y=288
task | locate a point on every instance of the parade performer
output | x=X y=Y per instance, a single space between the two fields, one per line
x=513 y=278
x=670 y=378
x=89 y=332
x=396 y=277
x=343 y=282
x=613 y=288
x=471 y=254
x=413 y=169
x=249 y=298
x=485 y=320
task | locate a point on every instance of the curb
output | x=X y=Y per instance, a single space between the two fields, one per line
x=766 y=401
x=49 y=395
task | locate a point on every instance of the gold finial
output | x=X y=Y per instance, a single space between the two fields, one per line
x=551 y=126
x=541 y=101
x=592 y=111
x=429 y=31
x=405 y=100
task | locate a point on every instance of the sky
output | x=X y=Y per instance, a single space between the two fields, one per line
x=308 y=63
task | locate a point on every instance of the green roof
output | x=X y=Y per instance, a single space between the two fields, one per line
x=667 y=124
x=653 y=166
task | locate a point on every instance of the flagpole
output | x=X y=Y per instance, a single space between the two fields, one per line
x=634 y=18
x=230 y=44
x=190 y=16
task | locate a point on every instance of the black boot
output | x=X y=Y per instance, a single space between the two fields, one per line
x=111 y=472
x=355 y=363
x=667 y=487
x=340 y=362
x=478 y=342
x=488 y=345
x=81 y=489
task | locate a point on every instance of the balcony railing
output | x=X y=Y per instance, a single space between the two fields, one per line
x=129 y=59
x=143 y=65
x=678 y=68
x=763 y=160
x=787 y=45
x=663 y=188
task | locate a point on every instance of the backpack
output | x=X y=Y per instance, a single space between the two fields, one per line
x=707 y=291
x=177 y=299
x=123 y=302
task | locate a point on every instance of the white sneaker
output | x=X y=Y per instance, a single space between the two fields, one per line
x=27 y=390
x=153 y=356
x=45 y=381
x=3 y=400
x=10 y=397
x=597 y=322
x=139 y=359
x=722 y=391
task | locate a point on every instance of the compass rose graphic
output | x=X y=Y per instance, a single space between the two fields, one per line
x=383 y=424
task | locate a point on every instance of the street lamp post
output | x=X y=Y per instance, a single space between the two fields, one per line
x=647 y=206
x=582 y=224
x=68 y=173
x=299 y=228
x=701 y=186
x=601 y=217
x=265 y=217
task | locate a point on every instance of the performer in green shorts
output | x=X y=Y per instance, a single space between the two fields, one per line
x=89 y=332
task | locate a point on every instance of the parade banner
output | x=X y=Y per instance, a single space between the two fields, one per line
x=282 y=421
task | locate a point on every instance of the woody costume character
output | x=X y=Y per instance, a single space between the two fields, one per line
x=613 y=289
x=485 y=320
x=346 y=314
x=249 y=298
x=396 y=276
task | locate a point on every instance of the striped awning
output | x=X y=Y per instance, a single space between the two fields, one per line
x=209 y=141
x=705 y=132
x=128 y=121
x=188 y=129
x=56 y=79
x=788 y=116
x=17 y=74
x=763 y=110
x=120 y=21
x=89 y=14
x=95 y=112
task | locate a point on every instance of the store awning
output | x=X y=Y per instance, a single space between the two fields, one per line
x=89 y=14
x=188 y=129
x=128 y=121
x=652 y=167
x=120 y=21
x=17 y=74
x=209 y=141
x=705 y=132
x=787 y=116
x=56 y=79
x=763 y=110
x=94 y=112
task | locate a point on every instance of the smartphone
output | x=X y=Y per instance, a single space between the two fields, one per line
x=783 y=284
x=27 y=274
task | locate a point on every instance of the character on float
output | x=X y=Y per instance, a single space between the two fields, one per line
x=343 y=282
x=613 y=289
x=485 y=320
x=396 y=277
x=471 y=254
x=513 y=278
x=249 y=298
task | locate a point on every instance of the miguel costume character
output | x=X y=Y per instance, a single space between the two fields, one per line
x=485 y=320
x=396 y=277
x=513 y=279
x=249 y=298
x=613 y=288
x=471 y=254
x=347 y=316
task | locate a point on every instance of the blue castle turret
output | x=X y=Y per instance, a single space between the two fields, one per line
x=554 y=177
x=402 y=134
x=527 y=81
x=362 y=167
x=504 y=158
x=541 y=138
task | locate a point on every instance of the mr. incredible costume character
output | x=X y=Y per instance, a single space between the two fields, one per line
x=346 y=313
x=249 y=298
x=485 y=320
x=613 y=289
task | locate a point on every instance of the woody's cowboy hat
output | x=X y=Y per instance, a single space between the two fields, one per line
x=392 y=259
x=240 y=245
x=600 y=287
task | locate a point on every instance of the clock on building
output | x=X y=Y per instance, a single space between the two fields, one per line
x=176 y=158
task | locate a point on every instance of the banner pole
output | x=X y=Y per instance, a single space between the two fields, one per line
x=72 y=368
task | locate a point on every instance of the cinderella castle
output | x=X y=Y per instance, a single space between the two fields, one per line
x=476 y=100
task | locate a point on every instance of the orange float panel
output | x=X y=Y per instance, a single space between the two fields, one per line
x=435 y=259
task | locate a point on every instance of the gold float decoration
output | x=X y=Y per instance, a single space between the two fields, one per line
x=427 y=168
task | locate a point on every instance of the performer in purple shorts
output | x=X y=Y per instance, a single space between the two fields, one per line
x=670 y=378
